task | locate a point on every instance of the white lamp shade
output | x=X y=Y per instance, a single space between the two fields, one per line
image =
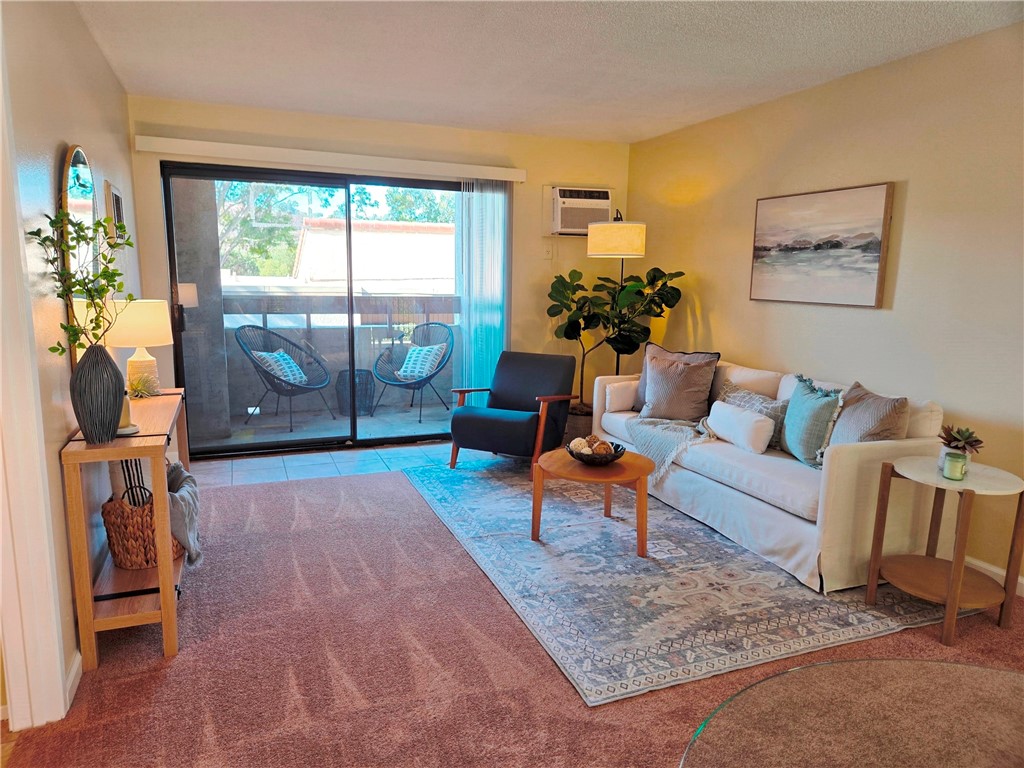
x=141 y=323
x=188 y=295
x=617 y=240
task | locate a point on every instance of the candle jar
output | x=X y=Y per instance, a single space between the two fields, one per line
x=954 y=466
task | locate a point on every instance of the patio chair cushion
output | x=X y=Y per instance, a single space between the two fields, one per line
x=281 y=365
x=420 y=362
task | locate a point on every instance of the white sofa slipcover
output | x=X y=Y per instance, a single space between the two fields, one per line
x=815 y=524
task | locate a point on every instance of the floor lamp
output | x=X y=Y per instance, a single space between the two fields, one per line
x=617 y=239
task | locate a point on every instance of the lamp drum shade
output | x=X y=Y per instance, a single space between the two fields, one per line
x=617 y=240
x=188 y=295
x=141 y=323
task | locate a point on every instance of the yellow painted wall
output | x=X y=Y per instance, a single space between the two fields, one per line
x=546 y=161
x=947 y=127
x=62 y=91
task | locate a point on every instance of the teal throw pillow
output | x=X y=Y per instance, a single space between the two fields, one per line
x=809 y=419
x=281 y=365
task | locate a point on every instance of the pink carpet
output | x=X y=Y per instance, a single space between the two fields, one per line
x=337 y=622
x=870 y=714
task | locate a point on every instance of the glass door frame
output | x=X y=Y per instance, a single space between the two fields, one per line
x=176 y=169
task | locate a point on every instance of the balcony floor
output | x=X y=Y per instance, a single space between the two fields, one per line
x=388 y=422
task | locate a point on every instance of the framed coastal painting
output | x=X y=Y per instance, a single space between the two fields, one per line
x=822 y=247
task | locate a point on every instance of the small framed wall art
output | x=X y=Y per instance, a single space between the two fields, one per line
x=824 y=247
x=115 y=209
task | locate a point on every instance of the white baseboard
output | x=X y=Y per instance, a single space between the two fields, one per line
x=999 y=574
x=72 y=679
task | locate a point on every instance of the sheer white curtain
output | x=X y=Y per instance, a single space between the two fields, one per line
x=484 y=244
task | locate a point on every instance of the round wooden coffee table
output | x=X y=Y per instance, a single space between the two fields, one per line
x=630 y=471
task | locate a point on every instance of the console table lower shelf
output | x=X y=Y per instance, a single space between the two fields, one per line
x=127 y=598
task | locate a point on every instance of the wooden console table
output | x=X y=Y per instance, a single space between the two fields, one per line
x=948 y=582
x=126 y=598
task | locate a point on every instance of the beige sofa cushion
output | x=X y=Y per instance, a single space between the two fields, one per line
x=615 y=423
x=789 y=381
x=924 y=416
x=753 y=379
x=773 y=476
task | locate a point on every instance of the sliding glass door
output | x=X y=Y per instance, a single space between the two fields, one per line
x=403 y=283
x=318 y=309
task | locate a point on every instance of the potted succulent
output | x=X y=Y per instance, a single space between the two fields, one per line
x=81 y=260
x=958 y=440
x=612 y=308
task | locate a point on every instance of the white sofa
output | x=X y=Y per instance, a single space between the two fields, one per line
x=814 y=523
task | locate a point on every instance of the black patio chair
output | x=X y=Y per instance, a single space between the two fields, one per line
x=256 y=338
x=390 y=361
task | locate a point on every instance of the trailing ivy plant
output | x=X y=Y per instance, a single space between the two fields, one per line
x=95 y=279
x=611 y=308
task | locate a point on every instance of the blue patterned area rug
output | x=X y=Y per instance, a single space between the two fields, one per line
x=619 y=625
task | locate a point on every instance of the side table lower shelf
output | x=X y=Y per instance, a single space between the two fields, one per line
x=127 y=598
x=928 y=578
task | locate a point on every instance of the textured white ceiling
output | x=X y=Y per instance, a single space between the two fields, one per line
x=619 y=71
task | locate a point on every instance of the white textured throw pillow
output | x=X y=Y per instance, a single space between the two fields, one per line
x=620 y=396
x=744 y=429
x=420 y=362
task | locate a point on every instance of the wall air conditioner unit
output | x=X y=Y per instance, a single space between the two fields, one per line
x=573 y=208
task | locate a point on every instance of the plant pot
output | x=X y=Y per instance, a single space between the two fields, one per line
x=97 y=393
x=943 y=450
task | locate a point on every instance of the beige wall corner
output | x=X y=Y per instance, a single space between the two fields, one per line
x=60 y=91
x=946 y=127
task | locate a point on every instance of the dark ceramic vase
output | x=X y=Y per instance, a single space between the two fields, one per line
x=97 y=392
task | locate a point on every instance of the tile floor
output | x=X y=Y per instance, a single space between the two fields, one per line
x=298 y=466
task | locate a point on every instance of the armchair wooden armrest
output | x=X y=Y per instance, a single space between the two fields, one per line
x=463 y=391
x=544 y=401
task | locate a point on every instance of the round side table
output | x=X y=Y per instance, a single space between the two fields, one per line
x=948 y=582
x=630 y=471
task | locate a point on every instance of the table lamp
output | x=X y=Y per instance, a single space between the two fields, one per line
x=617 y=239
x=141 y=323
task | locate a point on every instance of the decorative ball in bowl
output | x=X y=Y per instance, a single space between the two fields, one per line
x=594 y=451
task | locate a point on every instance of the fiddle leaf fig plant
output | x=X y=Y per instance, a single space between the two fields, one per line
x=612 y=309
x=94 y=279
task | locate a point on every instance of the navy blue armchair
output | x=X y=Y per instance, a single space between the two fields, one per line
x=526 y=411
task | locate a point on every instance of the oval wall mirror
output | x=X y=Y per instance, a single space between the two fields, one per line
x=78 y=198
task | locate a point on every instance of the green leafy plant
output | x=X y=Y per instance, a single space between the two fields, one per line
x=143 y=385
x=612 y=309
x=960 y=439
x=93 y=279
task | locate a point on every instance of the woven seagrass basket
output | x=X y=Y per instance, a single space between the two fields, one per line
x=130 y=532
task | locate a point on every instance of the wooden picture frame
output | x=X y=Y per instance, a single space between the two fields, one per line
x=115 y=210
x=825 y=247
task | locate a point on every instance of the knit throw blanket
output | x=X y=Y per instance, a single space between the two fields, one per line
x=663 y=440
